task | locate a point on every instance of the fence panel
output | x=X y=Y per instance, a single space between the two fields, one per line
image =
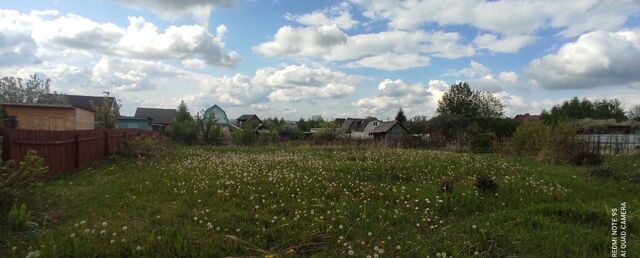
x=65 y=151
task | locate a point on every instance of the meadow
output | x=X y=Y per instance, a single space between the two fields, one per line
x=326 y=202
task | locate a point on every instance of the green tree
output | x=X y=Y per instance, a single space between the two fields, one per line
x=575 y=108
x=463 y=101
x=106 y=113
x=34 y=89
x=417 y=124
x=211 y=132
x=401 y=117
x=634 y=113
x=303 y=125
x=184 y=129
x=183 y=112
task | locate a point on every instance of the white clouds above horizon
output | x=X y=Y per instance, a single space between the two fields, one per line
x=29 y=35
x=595 y=59
x=172 y=10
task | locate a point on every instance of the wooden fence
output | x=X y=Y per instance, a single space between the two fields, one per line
x=66 y=151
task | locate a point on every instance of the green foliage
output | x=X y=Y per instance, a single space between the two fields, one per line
x=184 y=129
x=417 y=125
x=545 y=142
x=105 y=113
x=634 y=113
x=400 y=116
x=503 y=128
x=303 y=125
x=19 y=218
x=210 y=132
x=147 y=146
x=483 y=142
x=291 y=132
x=450 y=128
x=472 y=104
x=34 y=90
x=274 y=124
x=579 y=109
x=30 y=170
x=486 y=184
x=245 y=137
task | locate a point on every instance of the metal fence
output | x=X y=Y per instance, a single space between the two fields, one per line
x=611 y=144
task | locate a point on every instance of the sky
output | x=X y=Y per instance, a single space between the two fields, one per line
x=298 y=58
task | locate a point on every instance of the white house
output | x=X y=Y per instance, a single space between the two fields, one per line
x=359 y=128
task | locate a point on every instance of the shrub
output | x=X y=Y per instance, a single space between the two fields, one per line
x=244 y=137
x=19 y=218
x=602 y=172
x=545 y=142
x=30 y=170
x=185 y=131
x=586 y=158
x=483 y=142
x=150 y=146
x=486 y=184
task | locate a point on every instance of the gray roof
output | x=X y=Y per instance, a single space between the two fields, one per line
x=355 y=124
x=386 y=126
x=245 y=117
x=35 y=105
x=159 y=115
x=85 y=102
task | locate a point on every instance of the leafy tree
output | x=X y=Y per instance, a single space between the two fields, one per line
x=183 y=113
x=184 y=129
x=303 y=125
x=105 y=113
x=316 y=121
x=34 y=89
x=401 y=117
x=211 y=132
x=417 y=124
x=463 y=101
x=579 y=109
x=634 y=113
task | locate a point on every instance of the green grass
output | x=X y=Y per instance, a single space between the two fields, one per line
x=325 y=202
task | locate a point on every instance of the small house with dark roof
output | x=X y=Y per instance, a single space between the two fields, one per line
x=160 y=117
x=248 y=120
x=85 y=102
x=47 y=117
x=358 y=128
x=391 y=133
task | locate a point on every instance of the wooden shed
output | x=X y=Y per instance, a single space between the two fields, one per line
x=391 y=133
x=48 y=117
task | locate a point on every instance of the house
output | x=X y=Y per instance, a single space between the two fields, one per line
x=358 y=128
x=391 y=133
x=85 y=102
x=248 y=120
x=160 y=117
x=48 y=117
x=143 y=123
x=526 y=117
x=218 y=113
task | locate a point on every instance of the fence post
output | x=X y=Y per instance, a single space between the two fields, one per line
x=76 y=139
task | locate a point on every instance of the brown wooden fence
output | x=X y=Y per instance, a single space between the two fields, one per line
x=66 y=151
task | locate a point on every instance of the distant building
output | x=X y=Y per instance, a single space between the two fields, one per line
x=160 y=117
x=526 y=117
x=248 y=120
x=143 y=123
x=390 y=133
x=47 y=117
x=218 y=113
x=358 y=128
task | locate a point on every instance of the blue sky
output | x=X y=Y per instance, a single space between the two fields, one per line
x=334 y=58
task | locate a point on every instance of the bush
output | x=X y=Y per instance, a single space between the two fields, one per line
x=586 y=158
x=147 y=146
x=245 y=137
x=185 y=131
x=486 y=184
x=545 y=142
x=483 y=142
x=19 y=218
x=30 y=170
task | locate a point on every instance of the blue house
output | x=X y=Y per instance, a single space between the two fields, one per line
x=219 y=114
x=143 y=123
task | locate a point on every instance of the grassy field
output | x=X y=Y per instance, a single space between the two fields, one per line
x=326 y=202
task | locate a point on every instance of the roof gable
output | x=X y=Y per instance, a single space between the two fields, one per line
x=85 y=102
x=387 y=126
x=158 y=115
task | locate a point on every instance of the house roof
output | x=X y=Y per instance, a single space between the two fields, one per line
x=386 y=126
x=84 y=102
x=134 y=118
x=527 y=117
x=36 y=105
x=245 y=117
x=159 y=115
x=356 y=124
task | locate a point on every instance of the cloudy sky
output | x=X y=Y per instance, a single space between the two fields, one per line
x=295 y=58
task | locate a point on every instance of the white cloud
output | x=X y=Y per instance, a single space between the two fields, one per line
x=506 y=44
x=482 y=78
x=375 y=50
x=338 y=15
x=172 y=9
x=394 y=94
x=595 y=59
x=391 y=62
x=572 y=17
x=27 y=38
